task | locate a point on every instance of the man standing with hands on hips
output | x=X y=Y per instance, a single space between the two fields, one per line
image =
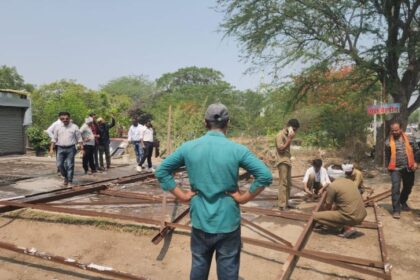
x=213 y=163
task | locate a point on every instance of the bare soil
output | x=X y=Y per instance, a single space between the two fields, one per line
x=132 y=251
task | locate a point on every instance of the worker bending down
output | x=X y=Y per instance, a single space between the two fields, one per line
x=355 y=175
x=343 y=207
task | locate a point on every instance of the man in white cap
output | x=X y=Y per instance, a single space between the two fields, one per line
x=88 y=145
x=343 y=206
x=212 y=163
x=355 y=175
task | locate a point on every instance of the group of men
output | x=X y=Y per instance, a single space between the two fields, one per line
x=213 y=161
x=93 y=139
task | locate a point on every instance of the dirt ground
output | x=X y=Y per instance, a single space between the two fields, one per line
x=130 y=250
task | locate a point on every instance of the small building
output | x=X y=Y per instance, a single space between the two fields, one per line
x=15 y=114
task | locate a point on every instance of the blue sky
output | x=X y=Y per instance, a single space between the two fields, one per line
x=94 y=41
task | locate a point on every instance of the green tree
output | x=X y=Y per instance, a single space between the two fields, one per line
x=48 y=100
x=11 y=79
x=198 y=76
x=381 y=37
x=139 y=88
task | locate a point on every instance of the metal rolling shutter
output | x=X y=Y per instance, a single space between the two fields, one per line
x=11 y=130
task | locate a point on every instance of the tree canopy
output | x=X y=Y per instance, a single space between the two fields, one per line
x=11 y=79
x=380 y=37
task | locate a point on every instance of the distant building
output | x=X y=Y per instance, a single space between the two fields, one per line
x=15 y=114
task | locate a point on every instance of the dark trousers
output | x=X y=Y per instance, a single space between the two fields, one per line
x=148 y=152
x=104 y=149
x=65 y=161
x=228 y=250
x=96 y=156
x=407 y=177
x=88 y=160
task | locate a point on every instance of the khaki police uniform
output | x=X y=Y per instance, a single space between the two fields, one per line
x=348 y=202
x=284 y=166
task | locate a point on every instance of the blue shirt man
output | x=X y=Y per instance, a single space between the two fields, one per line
x=213 y=163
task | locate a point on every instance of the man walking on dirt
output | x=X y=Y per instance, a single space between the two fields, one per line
x=283 y=140
x=135 y=137
x=399 y=156
x=66 y=136
x=213 y=163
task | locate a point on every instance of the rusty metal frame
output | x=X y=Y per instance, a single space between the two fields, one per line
x=39 y=201
x=106 y=270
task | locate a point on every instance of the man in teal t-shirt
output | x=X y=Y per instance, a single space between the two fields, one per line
x=213 y=163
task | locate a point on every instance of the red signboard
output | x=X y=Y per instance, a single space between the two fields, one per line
x=389 y=108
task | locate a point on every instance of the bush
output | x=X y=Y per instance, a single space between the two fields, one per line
x=38 y=139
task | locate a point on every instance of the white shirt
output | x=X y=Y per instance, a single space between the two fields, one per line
x=67 y=135
x=87 y=135
x=135 y=133
x=50 y=130
x=148 y=134
x=321 y=176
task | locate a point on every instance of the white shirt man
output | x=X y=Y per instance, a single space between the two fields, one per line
x=135 y=136
x=319 y=177
x=50 y=130
x=147 y=134
x=135 y=133
x=316 y=178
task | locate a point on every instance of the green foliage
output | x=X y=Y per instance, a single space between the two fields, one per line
x=380 y=38
x=138 y=88
x=196 y=76
x=11 y=79
x=38 y=138
x=48 y=100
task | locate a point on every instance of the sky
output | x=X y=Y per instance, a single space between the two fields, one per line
x=95 y=41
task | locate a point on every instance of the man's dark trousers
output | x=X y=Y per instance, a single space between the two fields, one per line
x=228 y=250
x=104 y=149
x=407 y=177
x=147 y=154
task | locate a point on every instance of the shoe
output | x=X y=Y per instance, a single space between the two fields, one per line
x=396 y=215
x=405 y=207
x=347 y=233
x=139 y=169
x=151 y=169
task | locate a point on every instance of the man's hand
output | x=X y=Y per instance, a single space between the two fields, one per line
x=238 y=197
x=291 y=134
x=414 y=166
x=188 y=194
x=183 y=196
